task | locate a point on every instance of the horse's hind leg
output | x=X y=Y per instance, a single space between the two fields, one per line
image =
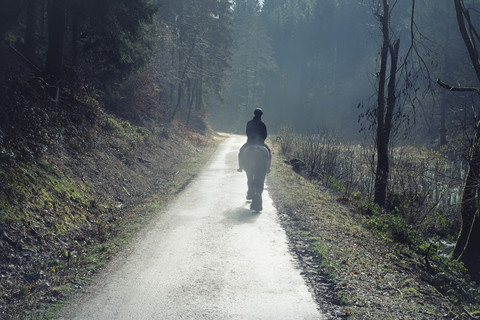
x=257 y=197
x=256 y=203
x=259 y=184
x=259 y=204
x=251 y=186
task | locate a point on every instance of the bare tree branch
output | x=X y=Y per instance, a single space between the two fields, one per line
x=457 y=89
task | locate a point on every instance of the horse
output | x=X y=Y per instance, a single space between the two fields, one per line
x=255 y=160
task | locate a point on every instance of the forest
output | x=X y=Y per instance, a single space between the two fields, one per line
x=375 y=99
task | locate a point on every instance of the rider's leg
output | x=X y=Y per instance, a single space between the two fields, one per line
x=240 y=164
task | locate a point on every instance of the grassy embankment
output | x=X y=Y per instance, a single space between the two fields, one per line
x=375 y=278
x=69 y=208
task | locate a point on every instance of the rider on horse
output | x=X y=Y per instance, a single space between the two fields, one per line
x=256 y=135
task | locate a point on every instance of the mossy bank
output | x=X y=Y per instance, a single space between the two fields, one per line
x=66 y=210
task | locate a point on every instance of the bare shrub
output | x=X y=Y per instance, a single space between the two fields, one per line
x=286 y=139
x=310 y=150
x=331 y=148
x=424 y=185
x=346 y=173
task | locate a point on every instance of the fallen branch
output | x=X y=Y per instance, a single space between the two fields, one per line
x=126 y=190
x=25 y=59
x=143 y=160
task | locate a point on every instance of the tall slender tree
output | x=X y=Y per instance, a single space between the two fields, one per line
x=386 y=99
x=56 y=37
x=31 y=29
x=467 y=248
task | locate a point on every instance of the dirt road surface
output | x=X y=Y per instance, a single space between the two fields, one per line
x=206 y=256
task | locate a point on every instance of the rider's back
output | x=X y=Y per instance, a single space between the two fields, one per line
x=256 y=131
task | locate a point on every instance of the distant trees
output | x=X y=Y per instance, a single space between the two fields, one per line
x=294 y=42
x=302 y=60
x=252 y=64
x=194 y=44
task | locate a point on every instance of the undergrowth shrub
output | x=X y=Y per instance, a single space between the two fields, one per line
x=286 y=139
x=424 y=185
x=31 y=123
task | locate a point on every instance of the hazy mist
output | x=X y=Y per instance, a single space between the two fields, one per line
x=309 y=64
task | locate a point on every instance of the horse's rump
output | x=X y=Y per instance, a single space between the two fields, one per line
x=255 y=158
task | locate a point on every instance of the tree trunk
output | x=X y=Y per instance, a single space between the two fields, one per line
x=181 y=80
x=42 y=18
x=191 y=99
x=443 y=113
x=56 y=35
x=179 y=101
x=467 y=248
x=385 y=112
x=199 y=86
x=31 y=30
x=381 y=174
x=75 y=36
x=443 y=99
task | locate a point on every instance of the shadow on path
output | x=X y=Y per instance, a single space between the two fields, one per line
x=240 y=215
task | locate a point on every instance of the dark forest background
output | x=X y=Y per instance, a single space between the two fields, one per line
x=307 y=63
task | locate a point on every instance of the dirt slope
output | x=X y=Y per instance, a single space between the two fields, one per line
x=65 y=213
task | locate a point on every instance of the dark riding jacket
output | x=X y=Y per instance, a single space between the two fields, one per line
x=256 y=131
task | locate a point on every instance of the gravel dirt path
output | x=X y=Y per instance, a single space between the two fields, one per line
x=206 y=256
